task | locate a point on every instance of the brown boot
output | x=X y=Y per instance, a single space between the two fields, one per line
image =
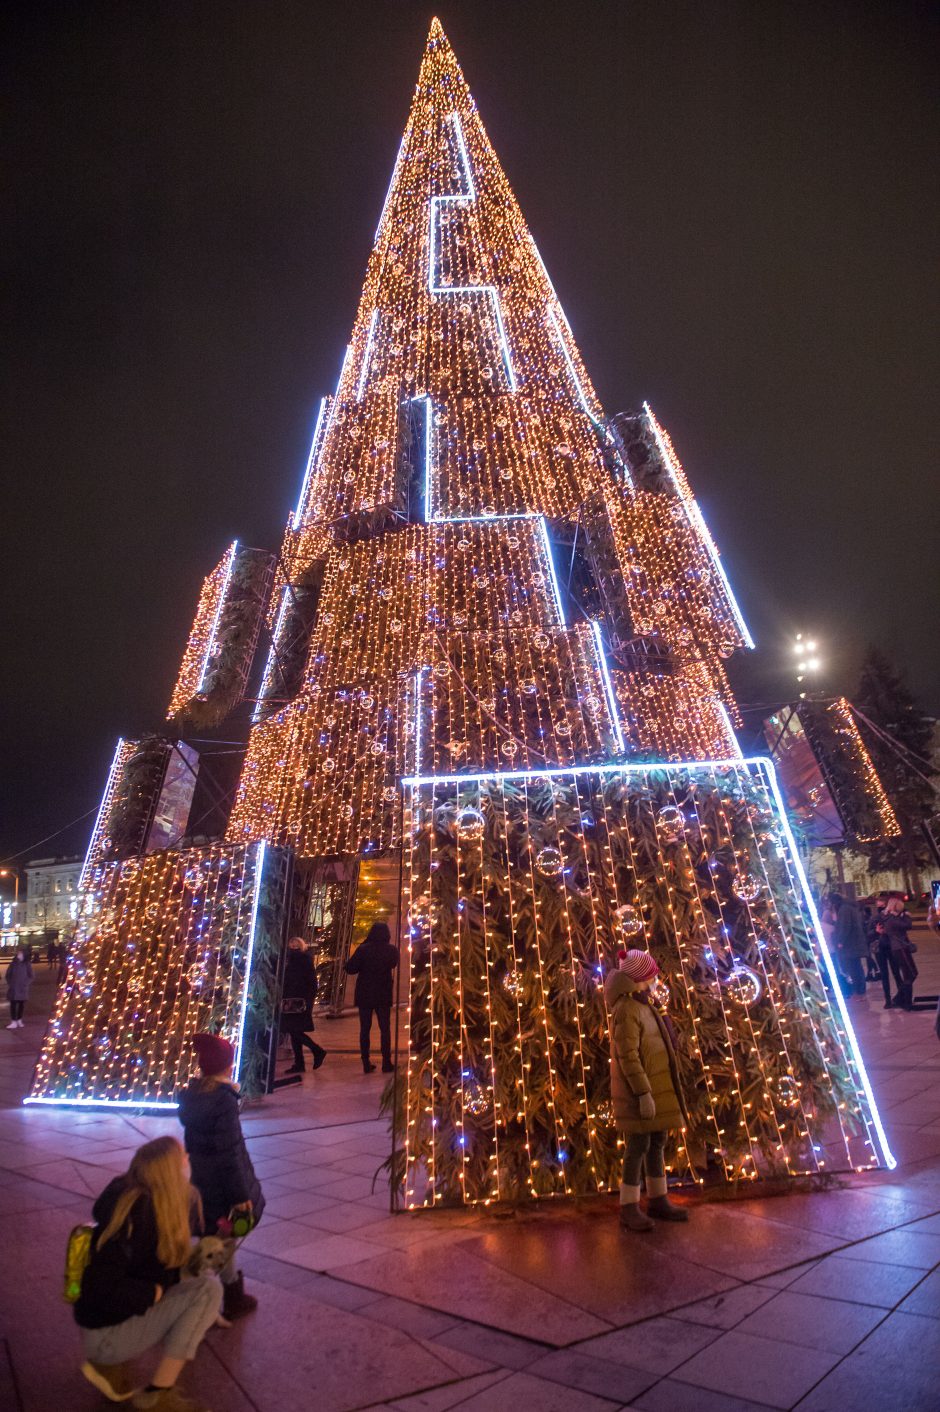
x=112 y=1379
x=632 y=1218
x=659 y=1204
x=235 y=1302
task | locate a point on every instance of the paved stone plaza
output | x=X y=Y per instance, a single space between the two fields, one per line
x=829 y=1302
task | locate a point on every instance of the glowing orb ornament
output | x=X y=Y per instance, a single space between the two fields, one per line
x=549 y=862
x=671 y=819
x=514 y=984
x=629 y=919
x=130 y=869
x=743 y=985
x=470 y=823
x=194 y=879
x=748 y=887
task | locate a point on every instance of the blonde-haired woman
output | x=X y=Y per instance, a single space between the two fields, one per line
x=132 y=1298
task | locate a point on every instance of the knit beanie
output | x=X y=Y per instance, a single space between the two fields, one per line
x=638 y=965
x=214 y=1053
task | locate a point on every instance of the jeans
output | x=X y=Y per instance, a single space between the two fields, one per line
x=886 y=957
x=178 y=1321
x=642 y=1147
x=16 y=1009
x=383 y=1014
x=298 y=1043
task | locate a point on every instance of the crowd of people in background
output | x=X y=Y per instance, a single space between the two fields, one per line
x=870 y=941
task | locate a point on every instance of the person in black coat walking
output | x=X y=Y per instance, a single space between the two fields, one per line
x=300 y=991
x=19 y=980
x=221 y=1168
x=373 y=963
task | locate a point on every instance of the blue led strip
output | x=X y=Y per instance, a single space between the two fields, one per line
x=246 y=984
x=105 y=801
x=608 y=686
x=104 y=1103
x=551 y=568
x=311 y=463
x=271 y=663
x=467 y=197
x=767 y=769
x=367 y=355
x=698 y=520
x=218 y=613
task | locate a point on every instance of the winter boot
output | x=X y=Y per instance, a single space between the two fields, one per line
x=658 y=1203
x=235 y=1302
x=631 y=1217
x=319 y=1054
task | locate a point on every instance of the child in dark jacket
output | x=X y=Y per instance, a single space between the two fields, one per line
x=221 y=1168
x=132 y=1297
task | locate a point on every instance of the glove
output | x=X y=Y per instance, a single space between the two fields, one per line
x=647 y=1105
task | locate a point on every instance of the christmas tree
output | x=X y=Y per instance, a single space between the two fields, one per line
x=498 y=633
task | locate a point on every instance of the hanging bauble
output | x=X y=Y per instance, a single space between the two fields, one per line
x=549 y=862
x=193 y=879
x=659 y=993
x=604 y=1112
x=197 y=975
x=477 y=1099
x=514 y=984
x=152 y=911
x=671 y=819
x=135 y=985
x=329 y=765
x=748 y=887
x=470 y=823
x=725 y=649
x=629 y=919
x=743 y=984
x=129 y=869
x=788 y=1091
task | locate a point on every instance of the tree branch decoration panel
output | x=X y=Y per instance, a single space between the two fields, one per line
x=521 y=888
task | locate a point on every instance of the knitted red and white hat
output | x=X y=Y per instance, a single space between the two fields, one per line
x=638 y=965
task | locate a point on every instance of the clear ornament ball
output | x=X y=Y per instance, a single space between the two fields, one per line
x=748 y=887
x=671 y=818
x=549 y=862
x=630 y=920
x=470 y=823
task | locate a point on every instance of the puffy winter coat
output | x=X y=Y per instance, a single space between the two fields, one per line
x=19 y=979
x=642 y=1060
x=372 y=963
x=221 y=1168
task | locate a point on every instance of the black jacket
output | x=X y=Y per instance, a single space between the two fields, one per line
x=300 y=983
x=122 y=1277
x=221 y=1168
x=372 y=964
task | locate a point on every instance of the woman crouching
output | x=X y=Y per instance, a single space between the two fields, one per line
x=644 y=1088
x=132 y=1297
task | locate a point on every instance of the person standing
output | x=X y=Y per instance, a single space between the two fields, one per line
x=644 y=1089
x=131 y=1295
x=300 y=991
x=850 y=943
x=896 y=923
x=221 y=1167
x=19 y=980
x=373 y=964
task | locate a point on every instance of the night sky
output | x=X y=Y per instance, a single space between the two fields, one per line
x=737 y=203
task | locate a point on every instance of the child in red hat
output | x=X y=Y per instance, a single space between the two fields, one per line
x=221 y=1167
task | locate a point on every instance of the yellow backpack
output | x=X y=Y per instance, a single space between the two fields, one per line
x=77 y=1260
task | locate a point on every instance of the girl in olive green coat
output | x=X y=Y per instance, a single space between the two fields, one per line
x=644 y=1089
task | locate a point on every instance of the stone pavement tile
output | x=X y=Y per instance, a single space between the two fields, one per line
x=412 y=1318
x=351 y=1188
x=671 y=1396
x=723 y=1238
x=208 y=1378
x=654 y=1346
x=895 y=1368
x=859 y=1281
x=328 y=1252
x=271 y=1237
x=461 y=1364
x=917 y=1249
x=924 y=1298
x=9 y=1397
x=833 y=1325
x=471 y=1287
x=724 y=1311
x=520 y=1391
x=329 y=1290
x=853 y=1215
x=271 y=1271
x=294 y=1203
x=337 y=1216
x=756 y=1368
x=38 y=1196
x=496 y=1347
x=441 y=1399
x=617 y=1277
x=294 y=1353
x=782 y=1279
x=575 y=1369
x=78 y=1177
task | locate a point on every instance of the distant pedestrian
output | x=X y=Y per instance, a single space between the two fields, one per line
x=644 y=1089
x=63 y=971
x=300 y=991
x=221 y=1167
x=19 y=980
x=851 y=944
x=132 y=1297
x=52 y=954
x=373 y=963
x=896 y=923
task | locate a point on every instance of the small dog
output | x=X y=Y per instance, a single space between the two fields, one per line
x=210 y=1254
